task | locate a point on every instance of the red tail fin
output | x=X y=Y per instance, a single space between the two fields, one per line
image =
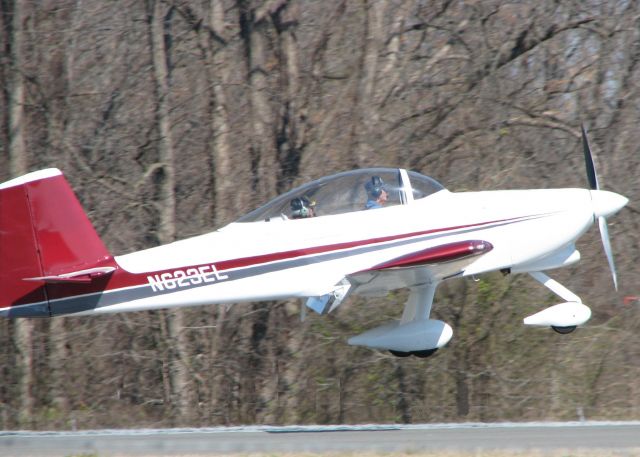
x=45 y=236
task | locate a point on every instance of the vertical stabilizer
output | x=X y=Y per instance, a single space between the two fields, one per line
x=44 y=233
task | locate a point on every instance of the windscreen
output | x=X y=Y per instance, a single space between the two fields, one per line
x=354 y=190
x=336 y=194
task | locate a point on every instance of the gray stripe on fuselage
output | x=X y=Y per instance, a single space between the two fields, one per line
x=109 y=298
x=40 y=309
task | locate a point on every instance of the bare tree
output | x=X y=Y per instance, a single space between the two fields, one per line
x=18 y=165
x=160 y=23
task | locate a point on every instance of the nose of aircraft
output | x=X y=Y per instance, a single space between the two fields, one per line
x=606 y=203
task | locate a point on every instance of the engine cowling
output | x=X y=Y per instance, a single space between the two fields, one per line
x=412 y=336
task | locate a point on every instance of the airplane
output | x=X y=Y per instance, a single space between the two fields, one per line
x=318 y=242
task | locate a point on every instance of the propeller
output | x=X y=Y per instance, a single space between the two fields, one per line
x=588 y=161
x=604 y=204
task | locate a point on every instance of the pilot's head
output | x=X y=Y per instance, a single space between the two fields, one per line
x=302 y=207
x=375 y=188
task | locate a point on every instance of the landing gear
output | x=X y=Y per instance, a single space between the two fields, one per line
x=420 y=354
x=564 y=330
x=414 y=330
x=424 y=354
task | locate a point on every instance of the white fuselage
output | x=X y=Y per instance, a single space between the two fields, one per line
x=308 y=257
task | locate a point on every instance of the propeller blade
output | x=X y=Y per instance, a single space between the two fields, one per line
x=606 y=243
x=588 y=160
x=603 y=203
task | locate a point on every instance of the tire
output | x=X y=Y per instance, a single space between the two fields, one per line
x=424 y=354
x=564 y=330
x=399 y=353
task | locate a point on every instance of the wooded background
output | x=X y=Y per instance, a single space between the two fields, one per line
x=171 y=118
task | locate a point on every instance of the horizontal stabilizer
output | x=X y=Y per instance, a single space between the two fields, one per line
x=76 y=277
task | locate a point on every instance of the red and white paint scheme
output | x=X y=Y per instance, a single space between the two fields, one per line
x=53 y=263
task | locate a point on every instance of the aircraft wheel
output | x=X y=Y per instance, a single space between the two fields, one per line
x=564 y=330
x=426 y=353
x=399 y=353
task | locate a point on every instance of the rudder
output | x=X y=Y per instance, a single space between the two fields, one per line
x=45 y=236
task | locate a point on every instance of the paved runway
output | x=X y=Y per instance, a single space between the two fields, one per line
x=612 y=436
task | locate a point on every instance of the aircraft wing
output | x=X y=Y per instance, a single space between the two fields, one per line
x=426 y=266
x=432 y=264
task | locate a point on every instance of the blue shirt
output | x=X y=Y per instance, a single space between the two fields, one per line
x=372 y=204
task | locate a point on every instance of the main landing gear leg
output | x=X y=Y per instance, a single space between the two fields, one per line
x=417 y=308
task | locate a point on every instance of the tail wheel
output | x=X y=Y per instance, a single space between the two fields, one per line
x=564 y=330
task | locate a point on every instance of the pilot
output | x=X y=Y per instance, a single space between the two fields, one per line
x=302 y=207
x=376 y=193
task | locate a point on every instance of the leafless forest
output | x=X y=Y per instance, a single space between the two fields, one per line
x=171 y=118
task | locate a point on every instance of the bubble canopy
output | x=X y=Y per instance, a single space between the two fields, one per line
x=347 y=192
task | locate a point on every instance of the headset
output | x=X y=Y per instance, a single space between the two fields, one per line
x=375 y=186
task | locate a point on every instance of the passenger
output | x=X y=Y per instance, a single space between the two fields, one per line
x=302 y=207
x=376 y=193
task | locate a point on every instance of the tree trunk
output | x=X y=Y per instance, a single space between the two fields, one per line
x=18 y=165
x=160 y=23
x=262 y=142
x=291 y=136
x=218 y=66
x=365 y=109
x=221 y=148
x=59 y=383
x=57 y=117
